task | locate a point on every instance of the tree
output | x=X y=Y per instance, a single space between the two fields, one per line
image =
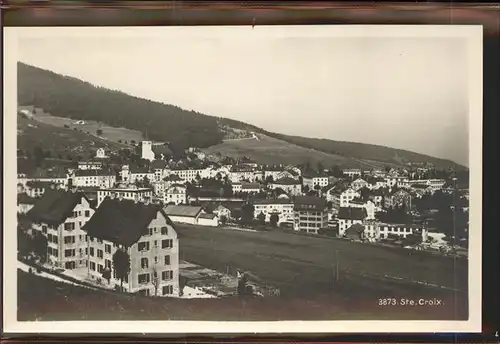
x=274 y=219
x=317 y=188
x=218 y=176
x=106 y=274
x=121 y=265
x=98 y=132
x=262 y=218
x=247 y=213
x=155 y=281
x=223 y=220
x=40 y=245
x=305 y=189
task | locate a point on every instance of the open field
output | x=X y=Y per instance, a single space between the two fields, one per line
x=268 y=150
x=47 y=300
x=108 y=133
x=58 y=140
x=304 y=265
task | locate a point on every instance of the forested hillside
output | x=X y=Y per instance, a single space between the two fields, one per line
x=69 y=97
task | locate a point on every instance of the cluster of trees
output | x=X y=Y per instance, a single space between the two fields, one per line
x=69 y=97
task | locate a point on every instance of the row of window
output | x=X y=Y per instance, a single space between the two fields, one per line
x=52 y=238
x=310 y=224
x=79 y=213
x=52 y=251
x=100 y=253
x=165 y=276
x=145 y=261
x=144 y=245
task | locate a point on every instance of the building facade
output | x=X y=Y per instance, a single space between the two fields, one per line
x=310 y=214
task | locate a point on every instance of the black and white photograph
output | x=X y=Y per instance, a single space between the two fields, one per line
x=243 y=179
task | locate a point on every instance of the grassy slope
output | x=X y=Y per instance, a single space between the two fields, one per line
x=268 y=150
x=303 y=265
x=108 y=133
x=58 y=140
x=55 y=301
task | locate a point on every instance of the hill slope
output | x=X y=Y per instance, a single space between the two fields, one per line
x=68 y=97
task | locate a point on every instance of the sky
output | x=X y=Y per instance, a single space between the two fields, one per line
x=402 y=92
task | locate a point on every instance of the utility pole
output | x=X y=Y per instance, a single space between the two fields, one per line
x=336 y=272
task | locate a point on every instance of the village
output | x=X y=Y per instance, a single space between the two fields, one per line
x=110 y=221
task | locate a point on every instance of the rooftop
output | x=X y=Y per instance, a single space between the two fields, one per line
x=286 y=181
x=122 y=221
x=182 y=210
x=273 y=201
x=55 y=206
x=349 y=213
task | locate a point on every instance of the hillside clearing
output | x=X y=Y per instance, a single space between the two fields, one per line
x=268 y=150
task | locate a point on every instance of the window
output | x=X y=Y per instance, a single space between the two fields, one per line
x=55 y=252
x=99 y=241
x=69 y=226
x=144 y=278
x=107 y=263
x=100 y=268
x=156 y=243
x=167 y=243
x=69 y=253
x=107 y=248
x=86 y=251
x=168 y=290
x=69 y=239
x=49 y=250
x=150 y=231
x=156 y=260
x=144 y=263
x=167 y=275
x=143 y=246
x=87 y=213
x=100 y=254
x=91 y=251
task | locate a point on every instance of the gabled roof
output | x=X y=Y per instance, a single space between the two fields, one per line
x=250 y=186
x=122 y=221
x=310 y=203
x=55 y=206
x=349 y=213
x=135 y=169
x=207 y=216
x=182 y=210
x=273 y=201
x=90 y=173
x=39 y=184
x=286 y=181
x=356 y=228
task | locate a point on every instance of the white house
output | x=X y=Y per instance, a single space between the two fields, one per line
x=209 y=220
x=311 y=181
x=281 y=207
x=352 y=172
x=125 y=192
x=349 y=216
x=93 y=178
x=310 y=214
x=100 y=154
x=146 y=234
x=378 y=230
x=359 y=183
x=175 y=194
x=90 y=165
x=290 y=185
x=60 y=216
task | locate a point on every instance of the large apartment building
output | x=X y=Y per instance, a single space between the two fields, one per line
x=311 y=214
x=146 y=234
x=125 y=192
x=60 y=216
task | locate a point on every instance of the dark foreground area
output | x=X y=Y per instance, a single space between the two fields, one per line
x=43 y=299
